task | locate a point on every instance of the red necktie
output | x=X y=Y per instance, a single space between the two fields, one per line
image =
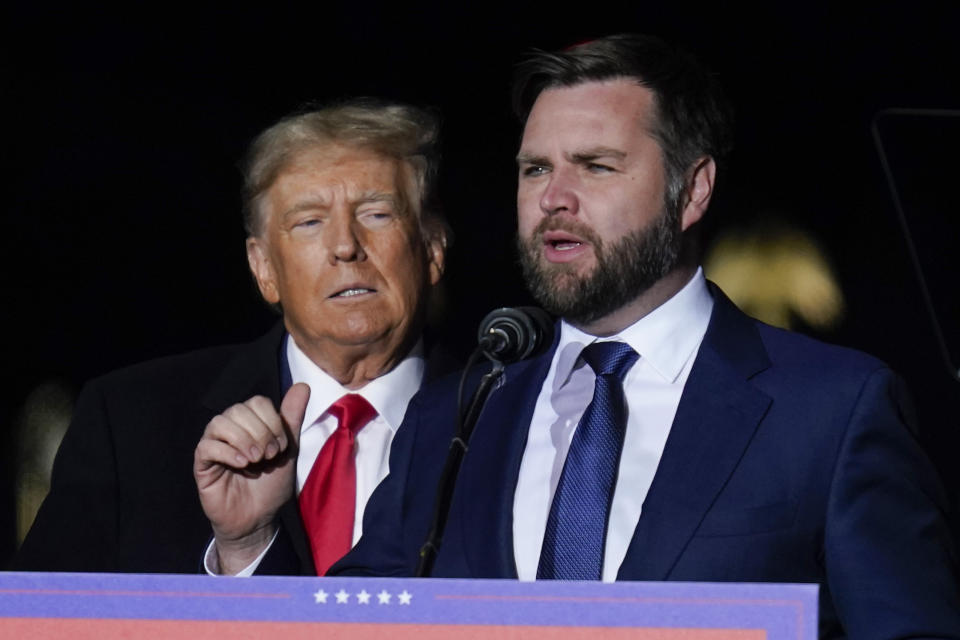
x=329 y=496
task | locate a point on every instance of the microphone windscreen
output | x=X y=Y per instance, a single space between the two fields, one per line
x=511 y=334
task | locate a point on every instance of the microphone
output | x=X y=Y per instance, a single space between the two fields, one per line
x=506 y=335
x=510 y=334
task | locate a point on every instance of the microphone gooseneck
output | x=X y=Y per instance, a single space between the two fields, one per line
x=506 y=335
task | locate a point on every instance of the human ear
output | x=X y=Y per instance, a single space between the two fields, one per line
x=258 y=257
x=699 y=190
x=435 y=243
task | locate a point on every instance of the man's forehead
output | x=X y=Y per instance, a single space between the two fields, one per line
x=587 y=118
x=357 y=168
x=591 y=104
x=337 y=156
x=322 y=177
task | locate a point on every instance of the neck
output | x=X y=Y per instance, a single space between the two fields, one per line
x=660 y=292
x=353 y=366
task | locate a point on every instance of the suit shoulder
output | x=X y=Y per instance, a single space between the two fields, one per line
x=754 y=347
x=193 y=364
x=790 y=347
x=190 y=372
x=806 y=363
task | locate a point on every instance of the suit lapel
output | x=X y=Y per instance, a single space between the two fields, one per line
x=489 y=475
x=718 y=414
x=289 y=515
x=253 y=371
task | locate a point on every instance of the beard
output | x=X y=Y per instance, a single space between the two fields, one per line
x=625 y=268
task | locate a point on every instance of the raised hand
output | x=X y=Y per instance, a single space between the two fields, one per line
x=245 y=468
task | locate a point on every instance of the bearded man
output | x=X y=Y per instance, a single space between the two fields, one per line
x=665 y=436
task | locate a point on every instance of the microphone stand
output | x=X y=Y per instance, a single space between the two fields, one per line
x=451 y=468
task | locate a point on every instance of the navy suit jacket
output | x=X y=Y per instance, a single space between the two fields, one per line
x=788 y=461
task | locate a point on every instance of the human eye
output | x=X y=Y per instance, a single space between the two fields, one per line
x=303 y=221
x=306 y=223
x=533 y=170
x=376 y=217
x=597 y=167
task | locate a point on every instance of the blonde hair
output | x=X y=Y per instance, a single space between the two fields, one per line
x=395 y=130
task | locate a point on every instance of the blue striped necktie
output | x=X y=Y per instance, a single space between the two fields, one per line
x=573 y=543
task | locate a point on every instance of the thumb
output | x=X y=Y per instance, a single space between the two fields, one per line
x=293 y=407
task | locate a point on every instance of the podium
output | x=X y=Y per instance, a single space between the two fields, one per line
x=102 y=606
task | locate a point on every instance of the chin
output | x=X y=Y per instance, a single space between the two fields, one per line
x=360 y=335
x=567 y=275
x=370 y=329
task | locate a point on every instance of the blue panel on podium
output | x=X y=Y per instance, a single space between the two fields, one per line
x=37 y=605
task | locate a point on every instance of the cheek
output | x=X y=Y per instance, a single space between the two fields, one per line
x=624 y=212
x=300 y=271
x=528 y=212
x=404 y=270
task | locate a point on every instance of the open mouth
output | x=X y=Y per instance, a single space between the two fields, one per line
x=562 y=240
x=352 y=292
x=564 y=245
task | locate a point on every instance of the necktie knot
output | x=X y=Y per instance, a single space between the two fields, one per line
x=609 y=358
x=353 y=412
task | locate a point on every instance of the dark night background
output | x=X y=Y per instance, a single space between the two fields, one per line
x=121 y=229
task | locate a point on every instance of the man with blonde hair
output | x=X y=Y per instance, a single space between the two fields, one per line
x=345 y=241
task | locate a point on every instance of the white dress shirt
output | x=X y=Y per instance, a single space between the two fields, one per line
x=667 y=340
x=389 y=395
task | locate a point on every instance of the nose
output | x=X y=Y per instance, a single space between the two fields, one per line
x=342 y=239
x=560 y=195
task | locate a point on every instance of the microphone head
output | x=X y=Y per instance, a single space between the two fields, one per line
x=511 y=334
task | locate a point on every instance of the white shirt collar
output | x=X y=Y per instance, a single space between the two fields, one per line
x=666 y=338
x=389 y=394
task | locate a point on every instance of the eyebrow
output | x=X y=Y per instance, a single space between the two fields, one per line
x=363 y=198
x=579 y=157
x=305 y=205
x=377 y=196
x=588 y=155
x=529 y=158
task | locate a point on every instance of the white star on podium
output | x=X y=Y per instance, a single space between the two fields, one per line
x=342 y=597
x=405 y=597
x=383 y=597
x=320 y=597
x=363 y=597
